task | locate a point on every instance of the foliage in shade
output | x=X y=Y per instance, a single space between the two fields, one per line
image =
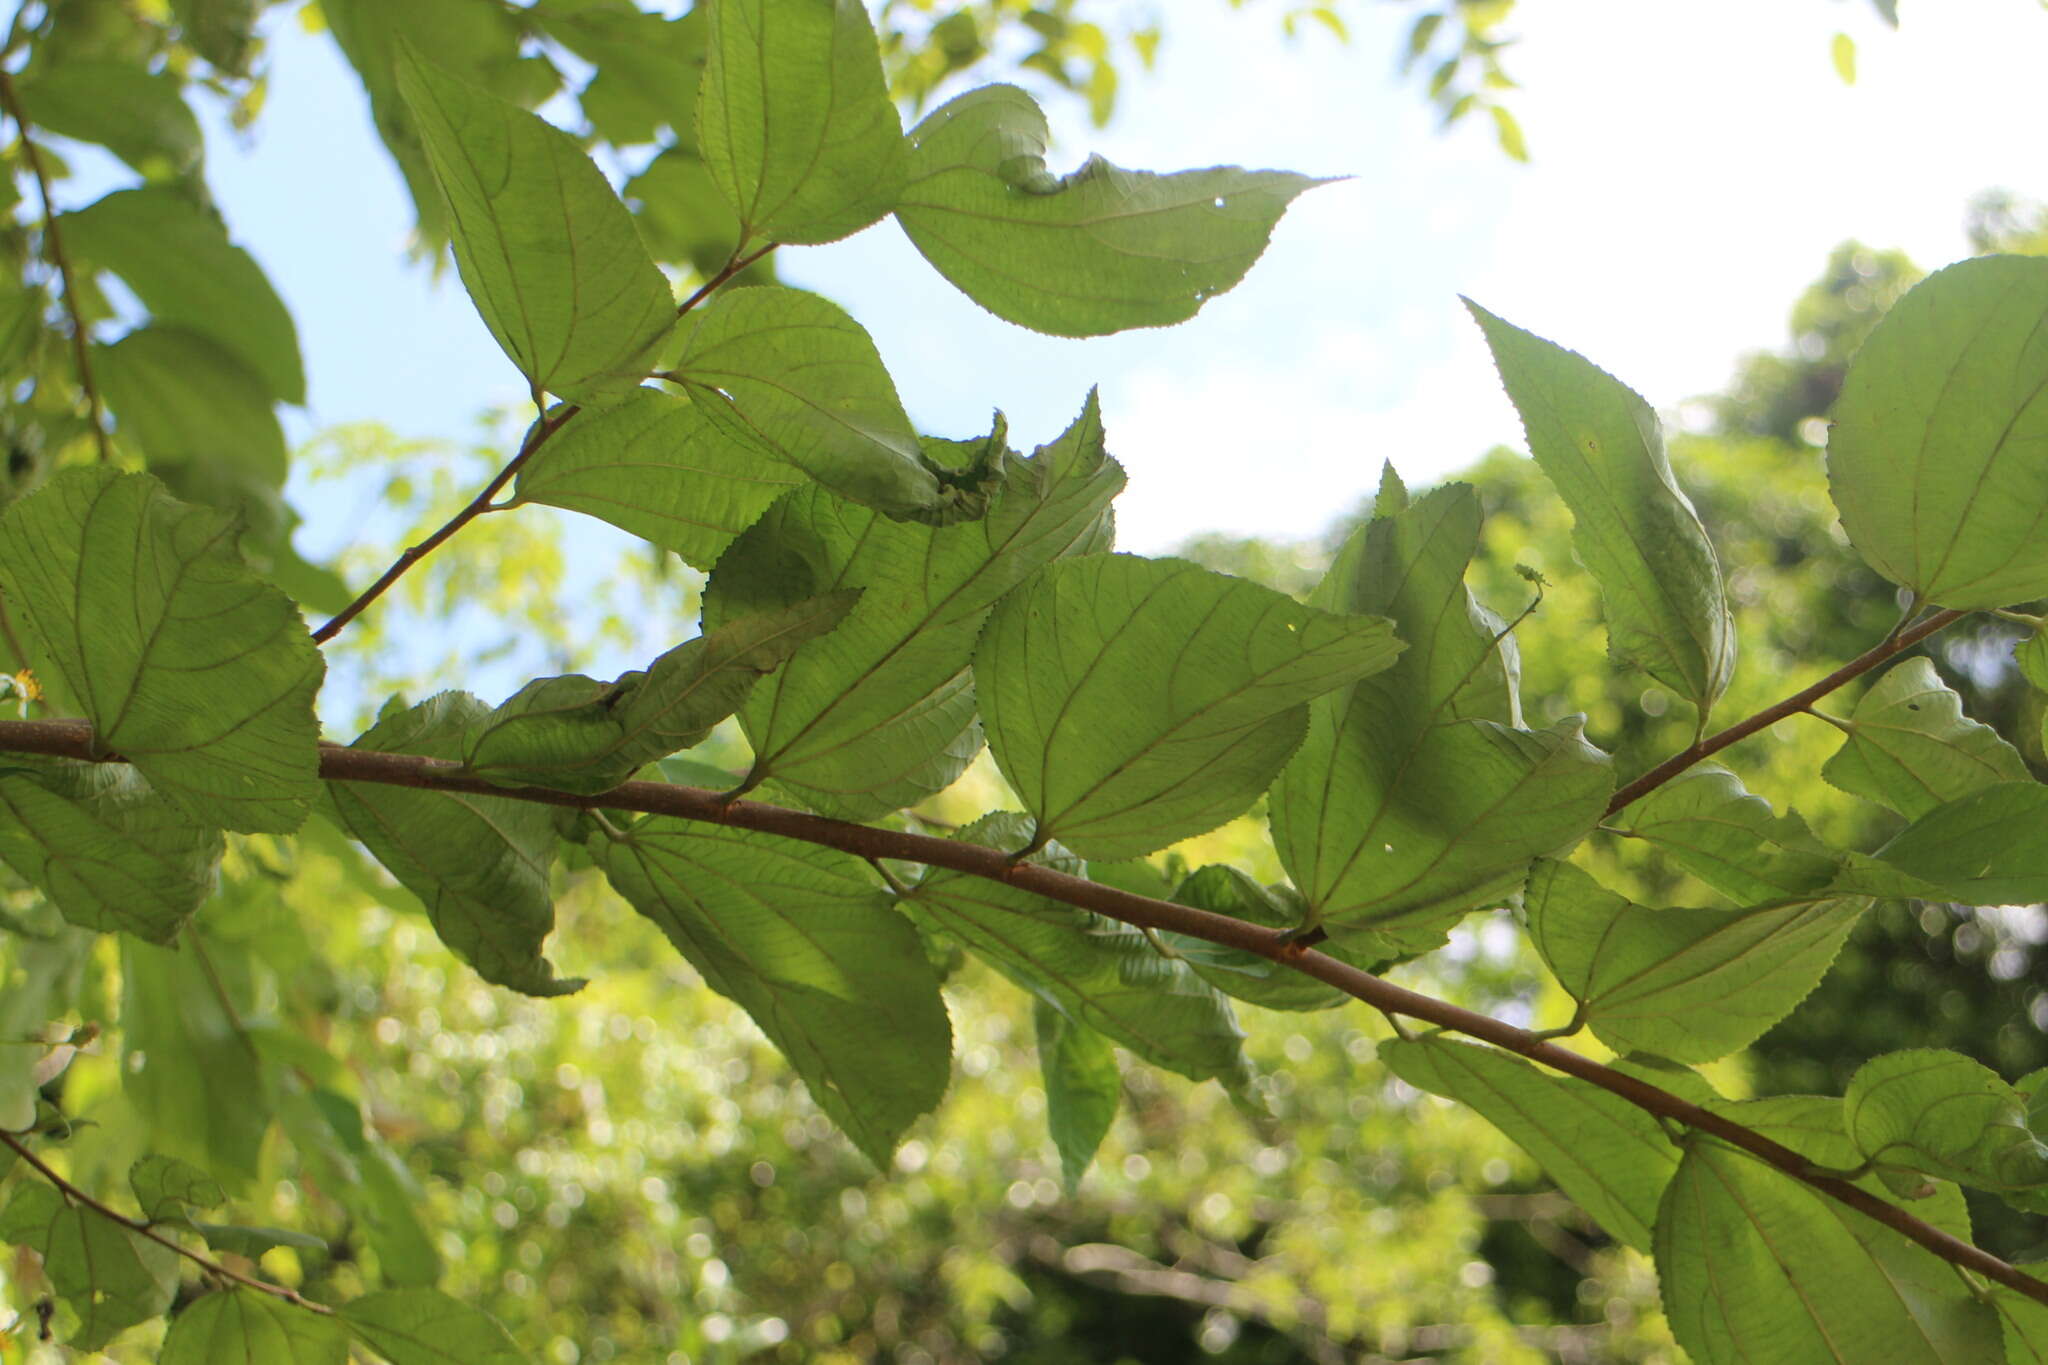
x=880 y=713
x=1938 y=457
x=1118 y=752
x=233 y=1327
x=548 y=253
x=110 y=1275
x=190 y=667
x=803 y=940
x=478 y=863
x=1082 y=1087
x=795 y=125
x=182 y=397
x=1637 y=532
x=1610 y=1157
x=1239 y=974
x=1417 y=795
x=139 y=116
x=1097 y=251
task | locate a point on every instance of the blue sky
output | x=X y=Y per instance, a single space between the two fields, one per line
x=1693 y=165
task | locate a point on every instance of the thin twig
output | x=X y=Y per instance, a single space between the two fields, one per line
x=544 y=427
x=73 y=739
x=144 y=1229
x=53 y=247
x=725 y=272
x=1893 y=644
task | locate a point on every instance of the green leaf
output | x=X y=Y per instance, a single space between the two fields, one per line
x=879 y=714
x=1135 y=702
x=137 y=115
x=166 y=1187
x=221 y=31
x=253 y=1242
x=1730 y=839
x=576 y=734
x=182 y=398
x=802 y=939
x=2025 y=1324
x=106 y=850
x=1242 y=975
x=1690 y=985
x=645 y=67
x=241 y=1327
x=548 y=253
x=1635 y=531
x=369 y=1180
x=792 y=376
x=1609 y=1157
x=426 y=1327
x=655 y=466
x=1100 y=973
x=682 y=216
x=1944 y=1115
x=795 y=121
x=191 y=1075
x=1938 y=458
x=1417 y=796
x=111 y=1277
x=1756 y=1266
x=479 y=864
x=1094 y=252
x=2030 y=653
x=39 y=980
x=1082 y=1087
x=188 y=666
x=177 y=258
x=1507 y=131
x=1910 y=747
x=1987 y=848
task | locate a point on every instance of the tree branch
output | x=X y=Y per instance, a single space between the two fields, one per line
x=544 y=426
x=53 y=247
x=145 y=1229
x=73 y=739
x=1896 y=643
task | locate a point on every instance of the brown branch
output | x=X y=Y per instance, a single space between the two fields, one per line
x=53 y=247
x=141 y=1228
x=1896 y=643
x=544 y=427
x=74 y=739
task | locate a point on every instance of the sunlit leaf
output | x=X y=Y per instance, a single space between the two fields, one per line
x=804 y=940
x=106 y=850
x=479 y=864
x=1635 y=530
x=188 y=666
x=112 y=1278
x=880 y=713
x=426 y=1327
x=241 y=1327
x=1607 y=1155
x=1910 y=747
x=222 y=31
x=1417 y=795
x=1082 y=1087
x=1690 y=985
x=1731 y=840
x=1987 y=848
x=794 y=120
x=1134 y=702
x=1756 y=1266
x=655 y=466
x=577 y=734
x=1940 y=1113
x=792 y=376
x=1938 y=457
x=548 y=253
x=1097 y=251
x=177 y=258
x=1099 y=972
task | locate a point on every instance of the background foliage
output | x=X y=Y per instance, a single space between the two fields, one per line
x=630 y=1173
